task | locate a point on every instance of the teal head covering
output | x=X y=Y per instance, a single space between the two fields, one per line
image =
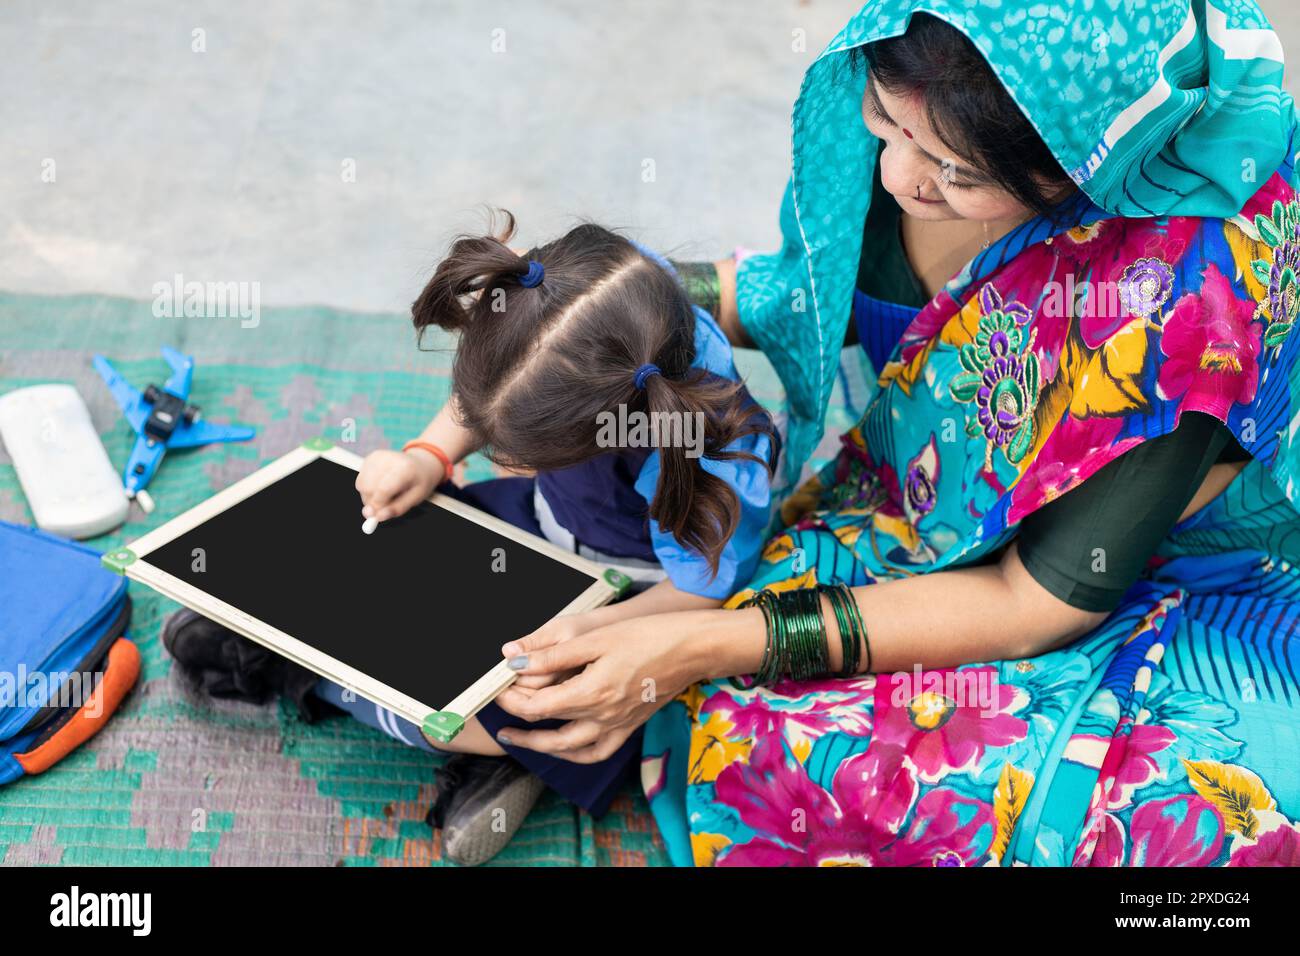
x=1165 y=107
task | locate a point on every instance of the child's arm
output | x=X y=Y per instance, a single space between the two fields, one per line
x=392 y=482
x=447 y=433
x=660 y=599
x=663 y=598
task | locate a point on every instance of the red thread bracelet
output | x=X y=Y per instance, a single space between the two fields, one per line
x=433 y=450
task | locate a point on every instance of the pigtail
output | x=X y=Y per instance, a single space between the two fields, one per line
x=474 y=264
x=533 y=384
x=701 y=510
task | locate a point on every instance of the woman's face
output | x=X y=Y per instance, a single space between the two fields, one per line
x=926 y=178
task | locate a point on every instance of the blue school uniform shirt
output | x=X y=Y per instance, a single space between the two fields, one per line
x=604 y=503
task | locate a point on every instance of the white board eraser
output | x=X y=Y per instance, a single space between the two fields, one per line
x=62 y=466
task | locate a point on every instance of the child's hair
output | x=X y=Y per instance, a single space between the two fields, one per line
x=536 y=365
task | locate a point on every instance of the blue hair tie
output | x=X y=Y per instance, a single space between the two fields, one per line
x=534 y=275
x=643 y=373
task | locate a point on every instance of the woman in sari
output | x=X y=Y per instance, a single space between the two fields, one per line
x=1067 y=522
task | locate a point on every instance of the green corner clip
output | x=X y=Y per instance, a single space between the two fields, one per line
x=619 y=581
x=117 y=560
x=319 y=443
x=443 y=725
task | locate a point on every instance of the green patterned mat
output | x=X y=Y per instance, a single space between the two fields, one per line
x=178 y=780
x=175 y=779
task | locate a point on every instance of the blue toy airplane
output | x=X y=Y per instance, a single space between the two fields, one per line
x=162 y=418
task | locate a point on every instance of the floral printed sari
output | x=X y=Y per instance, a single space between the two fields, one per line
x=1170 y=734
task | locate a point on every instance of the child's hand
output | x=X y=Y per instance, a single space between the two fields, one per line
x=391 y=483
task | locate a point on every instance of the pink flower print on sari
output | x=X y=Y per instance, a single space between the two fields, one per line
x=949 y=829
x=1076 y=449
x=1276 y=847
x=1130 y=761
x=1180 y=831
x=1103 y=843
x=1212 y=347
x=940 y=733
x=1274 y=190
x=799 y=711
x=797 y=823
x=1127 y=273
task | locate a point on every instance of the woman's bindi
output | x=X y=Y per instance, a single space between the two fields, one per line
x=907 y=132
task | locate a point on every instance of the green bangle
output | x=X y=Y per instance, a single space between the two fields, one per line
x=836 y=594
x=805 y=650
x=770 y=668
x=853 y=633
x=816 y=652
x=703 y=287
x=857 y=627
x=798 y=642
x=769 y=665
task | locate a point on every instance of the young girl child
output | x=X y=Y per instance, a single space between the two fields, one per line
x=554 y=345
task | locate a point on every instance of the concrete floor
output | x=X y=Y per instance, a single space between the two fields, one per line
x=229 y=164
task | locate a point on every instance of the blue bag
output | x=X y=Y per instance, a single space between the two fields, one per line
x=65 y=660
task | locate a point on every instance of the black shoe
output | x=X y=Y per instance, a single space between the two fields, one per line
x=222 y=664
x=482 y=802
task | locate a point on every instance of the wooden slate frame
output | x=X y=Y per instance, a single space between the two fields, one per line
x=440 y=723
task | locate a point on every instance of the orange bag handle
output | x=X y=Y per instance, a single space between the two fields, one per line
x=120 y=675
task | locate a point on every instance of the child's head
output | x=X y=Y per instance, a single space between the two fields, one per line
x=538 y=364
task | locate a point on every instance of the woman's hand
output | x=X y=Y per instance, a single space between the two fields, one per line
x=391 y=483
x=553 y=632
x=625 y=672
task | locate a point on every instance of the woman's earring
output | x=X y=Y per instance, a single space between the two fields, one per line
x=986 y=234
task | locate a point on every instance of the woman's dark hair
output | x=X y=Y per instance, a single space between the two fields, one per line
x=536 y=366
x=968 y=107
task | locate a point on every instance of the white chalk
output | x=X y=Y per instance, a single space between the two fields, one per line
x=370 y=525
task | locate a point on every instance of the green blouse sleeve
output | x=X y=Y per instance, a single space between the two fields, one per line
x=1090 y=545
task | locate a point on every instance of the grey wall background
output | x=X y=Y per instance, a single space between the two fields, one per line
x=228 y=164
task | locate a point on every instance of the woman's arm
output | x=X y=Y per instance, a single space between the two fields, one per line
x=1018 y=608
x=712 y=286
x=728 y=312
x=961 y=616
x=944 y=619
x=633 y=667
